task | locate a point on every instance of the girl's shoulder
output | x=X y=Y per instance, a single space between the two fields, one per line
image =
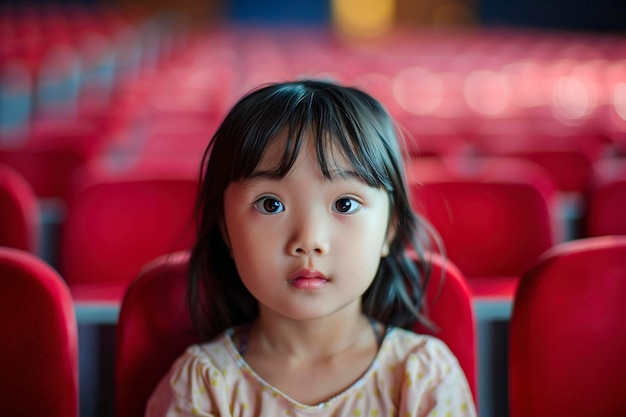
x=424 y=369
x=200 y=378
x=218 y=351
x=217 y=355
x=401 y=344
x=396 y=335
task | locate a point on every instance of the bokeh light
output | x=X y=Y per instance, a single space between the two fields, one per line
x=363 y=18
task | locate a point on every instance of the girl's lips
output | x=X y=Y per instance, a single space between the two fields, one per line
x=307 y=279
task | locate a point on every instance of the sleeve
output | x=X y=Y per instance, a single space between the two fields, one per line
x=194 y=386
x=434 y=384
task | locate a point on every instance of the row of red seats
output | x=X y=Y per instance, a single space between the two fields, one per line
x=453 y=94
x=495 y=216
x=61 y=70
x=554 y=332
x=64 y=62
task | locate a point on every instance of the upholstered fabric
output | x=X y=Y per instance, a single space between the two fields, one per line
x=38 y=348
x=19 y=212
x=114 y=226
x=567 y=337
x=495 y=218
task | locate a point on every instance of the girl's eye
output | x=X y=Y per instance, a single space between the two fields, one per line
x=346 y=205
x=269 y=205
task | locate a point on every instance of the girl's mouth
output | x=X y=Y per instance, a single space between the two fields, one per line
x=306 y=279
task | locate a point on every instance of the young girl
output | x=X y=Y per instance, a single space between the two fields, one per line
x=302 y=277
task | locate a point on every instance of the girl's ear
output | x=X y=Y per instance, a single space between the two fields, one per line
x=385 y=250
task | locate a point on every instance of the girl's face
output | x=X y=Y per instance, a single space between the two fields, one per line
x=306 y=246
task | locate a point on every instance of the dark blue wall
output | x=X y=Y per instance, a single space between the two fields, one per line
x=279 y=11
x=594 y=15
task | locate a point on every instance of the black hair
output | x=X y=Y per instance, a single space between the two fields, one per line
x=336 y=118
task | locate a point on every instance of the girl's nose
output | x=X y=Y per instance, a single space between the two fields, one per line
x=310 y=237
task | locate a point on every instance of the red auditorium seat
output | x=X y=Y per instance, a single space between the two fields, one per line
x=449 y=306
x=39 y=348
x=567 y=338
x=115 y=225
x=567 y=156
x=494 y=219
x=570 y=169
x=52 y=154
x=154 y=327
x=19 y=212
x=607 y=199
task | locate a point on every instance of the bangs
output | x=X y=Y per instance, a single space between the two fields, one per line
x=345 y=128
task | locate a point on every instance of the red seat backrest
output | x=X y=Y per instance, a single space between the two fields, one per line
x=607 y=199
x=38 y=347
x=113 y=227
x=153 y=329
x=606 y=210
x=449 y=306
x=494 y=222
x=19 y=212
x=488 y=228
x=567 y=332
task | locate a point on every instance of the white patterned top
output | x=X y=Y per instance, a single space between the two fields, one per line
x=412 y=375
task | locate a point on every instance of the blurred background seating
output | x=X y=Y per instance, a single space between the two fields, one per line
x=113 y=95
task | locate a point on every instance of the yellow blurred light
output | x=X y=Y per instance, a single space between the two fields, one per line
x=363 y=18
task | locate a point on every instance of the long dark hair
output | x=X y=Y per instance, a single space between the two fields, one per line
x=337 y=118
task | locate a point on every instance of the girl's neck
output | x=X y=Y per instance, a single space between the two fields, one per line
x=332 y=356
x=309 y=340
